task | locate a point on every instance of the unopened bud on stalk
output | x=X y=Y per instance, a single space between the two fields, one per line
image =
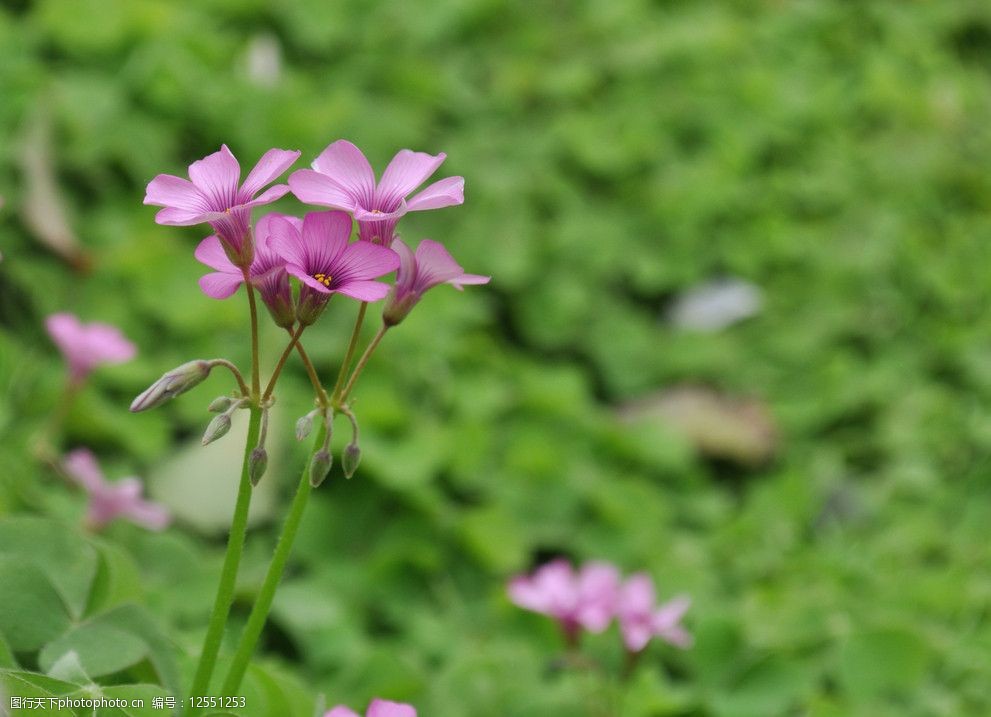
x=257 y=463
x=217 y=429
x=350 y=459
x=304 y=425
x=320 y=466
x=220 y=404
x=171 y=384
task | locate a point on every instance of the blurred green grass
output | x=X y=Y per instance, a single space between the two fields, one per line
x=616 y=153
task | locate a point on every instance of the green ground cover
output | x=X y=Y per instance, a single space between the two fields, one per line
x=834 y=154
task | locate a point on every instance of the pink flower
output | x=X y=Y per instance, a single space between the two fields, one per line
x=583 y=600
x=214 y=196
x=86 y=346
x=267 y=271
x=319 y=255
x=430 y=266
x=640 y=619
x=343 y=179
x=107 y=501
x=378 y=708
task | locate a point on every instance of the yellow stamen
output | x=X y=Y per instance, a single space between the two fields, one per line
x=324 y=279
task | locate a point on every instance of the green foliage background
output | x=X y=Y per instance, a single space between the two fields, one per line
x=616 y=153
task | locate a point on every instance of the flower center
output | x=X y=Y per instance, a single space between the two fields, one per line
x=324 y=279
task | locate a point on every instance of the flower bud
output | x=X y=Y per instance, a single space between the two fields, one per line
x=257 y=463
x=171 y=384
x=220 y=404
x=398 y=305
x=320 y=466
x=217 y=429
x=303 y=426
x=350 y=459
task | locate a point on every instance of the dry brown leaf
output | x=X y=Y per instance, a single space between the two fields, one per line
x=730 y=428
x=44 y=209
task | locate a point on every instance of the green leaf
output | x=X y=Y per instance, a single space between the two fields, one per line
x=101 y=647
x=162 y=652
x=60 y=552
x=769 y=687
x=33 y=612
x=134 y=694
x=7 y=659
x=16 y=683
x=117 y=579
x=68 y=668
x=885 y=661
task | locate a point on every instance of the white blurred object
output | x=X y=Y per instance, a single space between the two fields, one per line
x=263 y=60
x=716 y=304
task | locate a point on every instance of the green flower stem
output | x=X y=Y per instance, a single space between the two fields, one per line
x=346 y=363
x=312 y=373
x=263 y=601
x=361 y=363
x=294 y=337
x=253 y=308
x=228 y=574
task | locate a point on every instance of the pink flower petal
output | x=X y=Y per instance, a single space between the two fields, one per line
x=174 y=217
x=598 y=594
x=272 y=164
x=166 y=190
x=467 y=280
x=363 y=260
x=406 y=273
x=407 y=171
x=365 y=215
x=220 y=285
x=148 y=515
x=347 y=166
x=301 y=274
x=637 y=595
x=384 y=708
x=107 y=344
x=635 y=636
x=287 y=241
x=211 y=252
x=82 y=467
x=671 y=612
x=434 y=265
x=444 y=193
x=311 y=187
x=341 y=711
x=364 y=290
x=217 y=176
x=276 y=191
x=325 y=237
x=66 y=331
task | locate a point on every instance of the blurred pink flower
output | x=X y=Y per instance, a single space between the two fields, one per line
x=378 y=708
x=86 y=346
x=267 y=271
x=583 y=600
x=640 y=619
x=320 y=256
x=107 y=501
x=430 y=266
x=342 y=178
x=214 y=196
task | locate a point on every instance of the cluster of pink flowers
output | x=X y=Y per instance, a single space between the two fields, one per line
x=109 y=501
x=315 y=249
x=378 y=708
x=592 y=597
x=85 y=347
